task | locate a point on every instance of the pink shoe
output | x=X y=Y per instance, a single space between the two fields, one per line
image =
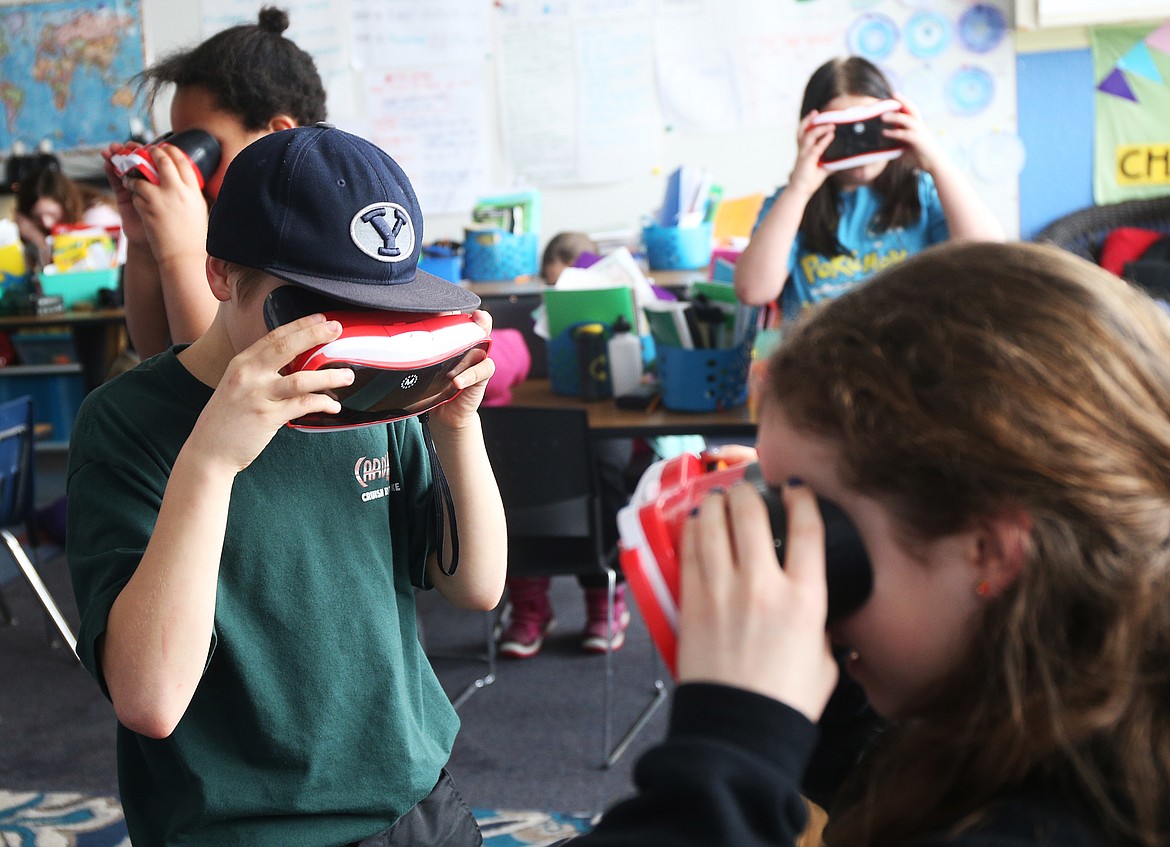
x=597 y=635
x=531 y=618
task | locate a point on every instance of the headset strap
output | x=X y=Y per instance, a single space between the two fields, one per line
x=444 y=503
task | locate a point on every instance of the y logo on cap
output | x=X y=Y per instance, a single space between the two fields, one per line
x=383 y=231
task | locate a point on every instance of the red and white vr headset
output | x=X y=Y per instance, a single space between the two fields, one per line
x=859 y=137
x=651 y=527
x=401 y=360
x=200 y=148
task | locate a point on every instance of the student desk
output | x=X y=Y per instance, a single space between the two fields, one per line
x=98 y=337
x=608 y=421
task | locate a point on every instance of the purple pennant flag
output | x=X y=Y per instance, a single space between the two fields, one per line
x=1116 y=85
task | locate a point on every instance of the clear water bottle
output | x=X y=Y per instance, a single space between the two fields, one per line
x=625 y=359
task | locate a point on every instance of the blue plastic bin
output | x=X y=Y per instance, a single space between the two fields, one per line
x=678 y=248
x=493 y=254
x=443 y=262
x=703 y=380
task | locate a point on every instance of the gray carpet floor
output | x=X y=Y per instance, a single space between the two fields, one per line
x=530 y=740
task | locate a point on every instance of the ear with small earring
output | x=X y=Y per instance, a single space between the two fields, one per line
x=983 y=589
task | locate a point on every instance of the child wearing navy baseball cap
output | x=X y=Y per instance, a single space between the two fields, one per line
x=246 y=588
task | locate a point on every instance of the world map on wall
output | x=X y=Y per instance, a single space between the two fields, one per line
x=66 y=72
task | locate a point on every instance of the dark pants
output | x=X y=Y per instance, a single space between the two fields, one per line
x=440 y=818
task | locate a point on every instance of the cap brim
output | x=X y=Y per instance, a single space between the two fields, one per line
x=425 y=293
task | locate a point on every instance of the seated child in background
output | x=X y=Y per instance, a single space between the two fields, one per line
x=995 y=419
x=562 y=250
x=246 y=602
x=530 y=614
x=824 y=233
x=47 y=198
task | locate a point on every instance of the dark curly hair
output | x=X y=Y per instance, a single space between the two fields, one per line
x=252 y=70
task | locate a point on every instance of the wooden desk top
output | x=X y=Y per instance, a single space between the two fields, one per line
x=608 y=421
x=91 y=316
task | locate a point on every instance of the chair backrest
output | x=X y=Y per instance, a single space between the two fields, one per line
x=16 y=460
x=544 y=468
x=512 y=310
x=1083 y=231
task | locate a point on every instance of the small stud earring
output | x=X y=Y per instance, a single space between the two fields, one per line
x=983 y=588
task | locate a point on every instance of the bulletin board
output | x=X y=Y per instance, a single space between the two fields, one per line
x=594 y=102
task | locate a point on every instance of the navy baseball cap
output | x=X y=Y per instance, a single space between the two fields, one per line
x=331 y=212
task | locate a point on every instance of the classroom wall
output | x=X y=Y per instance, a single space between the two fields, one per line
x=1055 y=124
x=744 y=162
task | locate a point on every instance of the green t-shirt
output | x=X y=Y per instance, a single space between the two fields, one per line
x=318 y=720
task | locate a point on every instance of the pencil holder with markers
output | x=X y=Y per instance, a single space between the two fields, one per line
x=678 y=248
x=703 y=380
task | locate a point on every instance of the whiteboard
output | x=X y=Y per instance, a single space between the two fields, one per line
x=552 y=94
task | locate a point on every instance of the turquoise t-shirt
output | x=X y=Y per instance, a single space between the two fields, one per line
x=318 y=719
x=814 y=278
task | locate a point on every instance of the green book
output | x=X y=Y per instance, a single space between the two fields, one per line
x=569 y=306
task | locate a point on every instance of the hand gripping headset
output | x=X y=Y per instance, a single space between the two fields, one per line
x=200 y=148
x=859 y=138
x=651 y=526
x=400 y=360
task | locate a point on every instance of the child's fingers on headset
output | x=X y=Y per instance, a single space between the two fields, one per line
x=173 y=164
x=804 y=554
x=303 y=383
x=287 y=341
x=475 y=368
x=751 y=530
x=483 y=319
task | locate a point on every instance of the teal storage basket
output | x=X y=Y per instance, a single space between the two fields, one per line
x=703 y=380
x=678 y=248
x=492 y=254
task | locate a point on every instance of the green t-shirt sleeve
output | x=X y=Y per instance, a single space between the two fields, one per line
x=115 y=488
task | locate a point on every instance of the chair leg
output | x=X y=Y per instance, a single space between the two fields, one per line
x=33 y=578
x=5 y=612
x=490 y=677
x=658 y=696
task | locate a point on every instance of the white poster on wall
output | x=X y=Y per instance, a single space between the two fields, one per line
x=578 y=99
x=431 y=121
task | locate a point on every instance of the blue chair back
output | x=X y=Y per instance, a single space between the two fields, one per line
x=16 y=465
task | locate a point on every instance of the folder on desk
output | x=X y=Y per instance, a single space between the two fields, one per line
x=736 y=218
x=566 y=307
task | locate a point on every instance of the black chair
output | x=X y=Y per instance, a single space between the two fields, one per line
x=1083 y=232
x=545 y=470
x=513 y=310
x=17 y=499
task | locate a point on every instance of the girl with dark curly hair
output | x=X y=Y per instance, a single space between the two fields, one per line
x=238 y=85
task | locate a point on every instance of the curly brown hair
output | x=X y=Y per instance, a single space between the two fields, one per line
x=252 y=70
x=977 y=378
